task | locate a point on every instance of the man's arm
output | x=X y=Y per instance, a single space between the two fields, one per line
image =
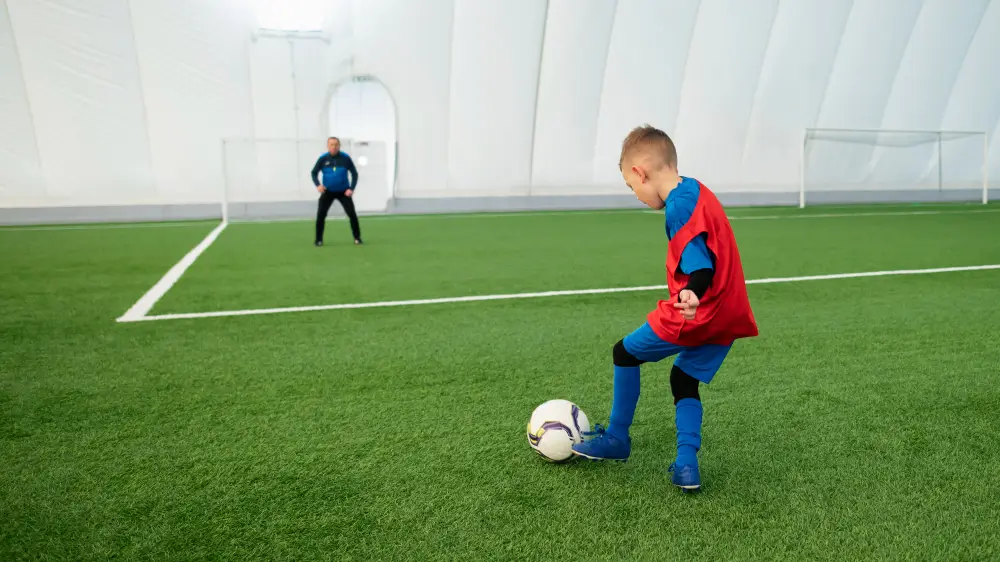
x=315 y=171
x=353 y=172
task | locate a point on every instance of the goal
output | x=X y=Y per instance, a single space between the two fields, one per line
x=268 y=178
x=892 y=166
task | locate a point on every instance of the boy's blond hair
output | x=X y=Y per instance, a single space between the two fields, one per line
x=651 y=142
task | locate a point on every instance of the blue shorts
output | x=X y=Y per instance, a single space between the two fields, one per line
x=700 y=362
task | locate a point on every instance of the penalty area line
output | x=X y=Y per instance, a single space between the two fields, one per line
x=479 y=298
x=156 y=292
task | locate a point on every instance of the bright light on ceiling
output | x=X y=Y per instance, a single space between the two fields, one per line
x=291 y=15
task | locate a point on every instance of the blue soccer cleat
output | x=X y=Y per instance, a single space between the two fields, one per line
x=602 y=446
x=685 y=477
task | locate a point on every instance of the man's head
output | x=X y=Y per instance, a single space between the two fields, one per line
x=333 y=145
x=649 y=165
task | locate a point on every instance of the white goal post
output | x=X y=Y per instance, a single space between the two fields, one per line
x=892 y=166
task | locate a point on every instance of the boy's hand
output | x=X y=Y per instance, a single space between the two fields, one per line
x=688 y=304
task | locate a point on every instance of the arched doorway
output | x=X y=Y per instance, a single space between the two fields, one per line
x=363 y=115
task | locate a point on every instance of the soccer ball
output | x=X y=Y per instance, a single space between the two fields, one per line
x=555 y=426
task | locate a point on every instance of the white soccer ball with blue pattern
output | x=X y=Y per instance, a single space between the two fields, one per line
x=554 y=428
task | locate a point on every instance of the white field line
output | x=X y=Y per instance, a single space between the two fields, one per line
x=385 y=304
x=101 y=226
x=156 y=292
x=849 y=215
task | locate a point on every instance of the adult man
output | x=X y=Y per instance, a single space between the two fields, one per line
x=335 y=187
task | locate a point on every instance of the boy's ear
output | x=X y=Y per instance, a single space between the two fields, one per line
x=640 y=173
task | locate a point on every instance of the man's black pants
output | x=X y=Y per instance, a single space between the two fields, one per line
x=326 y=199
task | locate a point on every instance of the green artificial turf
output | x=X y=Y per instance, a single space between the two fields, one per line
x=862 y=423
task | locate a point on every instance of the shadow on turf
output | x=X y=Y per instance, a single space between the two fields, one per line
x=643 y=475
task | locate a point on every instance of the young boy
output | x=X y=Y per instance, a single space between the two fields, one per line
x=708 y=307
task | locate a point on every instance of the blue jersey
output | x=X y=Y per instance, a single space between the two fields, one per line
x=680 y=206
x=335 y=168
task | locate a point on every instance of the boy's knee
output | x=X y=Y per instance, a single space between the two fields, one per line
x=683 y=385
x=621 y=356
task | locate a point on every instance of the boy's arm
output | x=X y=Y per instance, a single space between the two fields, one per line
x=697 y=263
x=696 y=260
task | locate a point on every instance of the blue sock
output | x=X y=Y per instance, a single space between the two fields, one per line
x=626 y=398
x=688 y=421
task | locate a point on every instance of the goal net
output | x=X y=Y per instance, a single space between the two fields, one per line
x=269 y=178
x=887 y=166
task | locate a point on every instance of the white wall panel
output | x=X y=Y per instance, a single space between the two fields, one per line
x=272 y=88
x=407 y=45
x=361 y=110
x=82 y=79
x=930 y=65
x=193 y=59
x=973 y=104
x=720 y=81
x=311 y=85
x=871 y=49
x=643 y=76
x=289 y=83
x=805 y=38
x=21 y=177
x=927 y=73
x=495 y=59
x=126 y=101
x=574 y=58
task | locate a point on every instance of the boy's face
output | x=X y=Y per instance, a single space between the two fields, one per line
x=637 y=179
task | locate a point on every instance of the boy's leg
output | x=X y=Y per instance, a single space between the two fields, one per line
x=626 y=390
x=688 y=415
x=641 y=346
x=693 y=366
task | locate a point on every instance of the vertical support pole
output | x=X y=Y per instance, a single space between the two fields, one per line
x=225 y=183
x=802 y=170
x=986 y=168
x=940 y=169
x=295 y=181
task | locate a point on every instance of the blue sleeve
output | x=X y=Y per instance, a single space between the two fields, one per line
x=695 y=255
